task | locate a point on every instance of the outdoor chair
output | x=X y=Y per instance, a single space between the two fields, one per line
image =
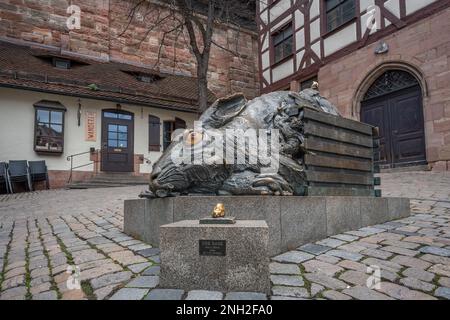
x=4 y=176
x=18 y=172
x=38 y=172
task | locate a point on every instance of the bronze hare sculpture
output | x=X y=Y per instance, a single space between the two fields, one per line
x=279 y=111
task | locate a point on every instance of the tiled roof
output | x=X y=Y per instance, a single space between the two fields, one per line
x=32 y=69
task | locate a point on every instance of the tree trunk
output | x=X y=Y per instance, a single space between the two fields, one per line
x=202 y=74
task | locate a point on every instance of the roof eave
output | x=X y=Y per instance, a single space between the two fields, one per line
x=93 y=97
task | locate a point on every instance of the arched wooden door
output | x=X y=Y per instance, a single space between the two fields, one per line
x=394 y=104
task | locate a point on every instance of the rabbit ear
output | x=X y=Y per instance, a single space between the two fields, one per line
x=314 y=98
x=224 y=110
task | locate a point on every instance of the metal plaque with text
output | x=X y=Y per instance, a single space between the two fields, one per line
x=213 y=248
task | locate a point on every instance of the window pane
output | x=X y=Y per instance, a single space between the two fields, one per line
x=123 y=136
x=49 y=135
x=123 y=144
x=154 y=133
x=43 y=128
x=49 y=144
x=334 y=14
x=62 y=64
x=308 y=83
x=348 y=5
x=288 y=32
x=57 y=117
x=116 y=115
x=278 y=53
x=331 y=4
x=283 y=43
x=43 y=116
x=112 y=135
x=112 y=127
x=348 y=11
x=333 y=20
x=41 y=143
x=167 y=134
x=278 y=38
x=123 y=129
x=125 y=117
x=56 y=129
x=112 y=143
x=339 y=12
x=168 y=127
x=110 y=115
x=287 y=47
x=55 y=144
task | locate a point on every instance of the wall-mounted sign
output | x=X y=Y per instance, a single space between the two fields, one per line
x=90 y=126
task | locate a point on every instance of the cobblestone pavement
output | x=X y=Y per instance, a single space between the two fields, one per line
x=417 y=185
x=63 y=202
x=44 y=234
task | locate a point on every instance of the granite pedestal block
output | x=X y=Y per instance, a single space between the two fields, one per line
x=292 y=221
x=218 y=257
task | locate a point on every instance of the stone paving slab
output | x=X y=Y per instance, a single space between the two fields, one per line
x=204 y=295
x=245 y=296
x=314 y=249
x=412 y=254
x=165 y=294
x=149 y=282
x=293 y=257
x=294 y=292
x=287 y=280
x=284 y=268
x=152 y=271
x=130 y=294
x=443 y=293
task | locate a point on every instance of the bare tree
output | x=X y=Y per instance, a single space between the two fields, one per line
x=198 y=19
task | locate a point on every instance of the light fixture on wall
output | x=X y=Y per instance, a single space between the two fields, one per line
x=381 y=48
x=118 y=106
x=79 y=113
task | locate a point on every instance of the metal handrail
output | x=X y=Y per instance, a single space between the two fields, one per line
x=70 y=158
x=79 y=154
x=98 y=152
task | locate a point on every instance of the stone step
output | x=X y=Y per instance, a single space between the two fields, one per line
x=405 y=169
x=92 y=186
x=80 y=185
x=118 y=177
x=110 y=180
x=128 y=181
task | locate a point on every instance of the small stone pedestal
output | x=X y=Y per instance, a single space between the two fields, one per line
x=220 y=257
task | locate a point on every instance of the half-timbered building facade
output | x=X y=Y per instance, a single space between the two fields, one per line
x=385 y=62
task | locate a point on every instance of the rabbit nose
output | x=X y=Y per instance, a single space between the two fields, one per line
x=156 y=171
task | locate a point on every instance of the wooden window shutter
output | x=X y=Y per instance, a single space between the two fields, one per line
x=154 y=134
x=180 y=124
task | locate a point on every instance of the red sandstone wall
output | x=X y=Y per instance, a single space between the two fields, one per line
x=102 y=22
x=424 y=45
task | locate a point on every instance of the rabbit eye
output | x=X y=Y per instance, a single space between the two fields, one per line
x=192 y=138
